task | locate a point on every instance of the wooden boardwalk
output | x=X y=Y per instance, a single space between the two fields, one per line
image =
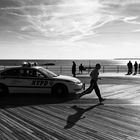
x=33 y=118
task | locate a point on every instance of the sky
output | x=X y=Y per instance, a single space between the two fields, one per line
x=69 y=29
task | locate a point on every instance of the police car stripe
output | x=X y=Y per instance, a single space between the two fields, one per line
x=30 y=78
x=53 y=79
x=28 y=87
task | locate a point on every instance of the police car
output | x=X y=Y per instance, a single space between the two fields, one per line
x=36 y=79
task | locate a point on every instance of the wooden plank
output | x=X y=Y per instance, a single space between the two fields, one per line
x=111 y=121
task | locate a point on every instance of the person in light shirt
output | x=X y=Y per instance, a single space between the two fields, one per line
x=93 y=83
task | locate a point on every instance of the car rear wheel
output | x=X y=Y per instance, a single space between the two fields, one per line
x=3 y=90
x=60 y=90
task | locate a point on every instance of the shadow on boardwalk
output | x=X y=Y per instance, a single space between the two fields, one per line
x=16 y=100
x=74 y=118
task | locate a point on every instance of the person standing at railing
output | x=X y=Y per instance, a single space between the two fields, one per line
x=130 y=68
x=139 y=68
x=93 y=83
x=135 y=67
x=81 y=68
x=74 y=69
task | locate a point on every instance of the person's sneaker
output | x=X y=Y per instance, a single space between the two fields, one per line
x=79 y=95
x=101 y=100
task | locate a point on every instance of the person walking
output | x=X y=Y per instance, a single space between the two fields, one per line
x=93 y=83
x=139 y=68
x=130 y=68
x=74 y=69
x=135 y=67
x=81 y=68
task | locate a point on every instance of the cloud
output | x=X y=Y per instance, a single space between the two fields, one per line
x=121 y=7
x=136 y=31
x=55 y=19
x=62 y=19
x=132 y=20
x=9 y=3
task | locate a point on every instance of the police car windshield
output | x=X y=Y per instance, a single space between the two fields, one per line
x=48 y=73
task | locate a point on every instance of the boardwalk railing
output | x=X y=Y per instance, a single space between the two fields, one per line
x=67 y=69
x=104 y=69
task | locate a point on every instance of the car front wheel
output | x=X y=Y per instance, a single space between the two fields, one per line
x=60 y=90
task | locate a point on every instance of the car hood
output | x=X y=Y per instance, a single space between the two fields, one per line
x=69 y=78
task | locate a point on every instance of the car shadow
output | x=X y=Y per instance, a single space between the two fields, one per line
x=18 y=100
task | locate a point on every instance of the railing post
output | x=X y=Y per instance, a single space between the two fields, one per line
x=60 y=69
x=117 y=69
x=103 y=69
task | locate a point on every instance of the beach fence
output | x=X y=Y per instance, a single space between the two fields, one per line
x=66 y=70
x=114 y=68
x=104 y=69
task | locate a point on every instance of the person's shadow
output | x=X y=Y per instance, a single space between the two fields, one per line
x=74 y=118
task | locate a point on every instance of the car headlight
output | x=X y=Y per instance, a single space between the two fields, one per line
x=77 y=83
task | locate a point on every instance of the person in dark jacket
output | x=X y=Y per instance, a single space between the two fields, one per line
x=74 y=69
x=81 y=68
x=139 y=68
x=130 y=68
x=135 y=67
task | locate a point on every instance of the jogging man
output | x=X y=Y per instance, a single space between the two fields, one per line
x=93 y=83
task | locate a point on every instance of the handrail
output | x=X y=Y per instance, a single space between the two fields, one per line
x=67 y=69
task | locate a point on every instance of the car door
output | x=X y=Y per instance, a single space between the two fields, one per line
x=11 y=78
x=25 y=80
x=33 y=81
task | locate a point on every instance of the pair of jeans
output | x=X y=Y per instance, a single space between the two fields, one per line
x=93 y=85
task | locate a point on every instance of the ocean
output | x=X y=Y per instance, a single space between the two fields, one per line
x=62 y=62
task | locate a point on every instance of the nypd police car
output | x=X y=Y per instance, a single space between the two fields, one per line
x=36 y=79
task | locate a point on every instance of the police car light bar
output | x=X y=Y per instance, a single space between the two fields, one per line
x=29 y=64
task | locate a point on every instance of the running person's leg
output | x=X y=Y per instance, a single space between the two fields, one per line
x=97 y=91
x=88 y=90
